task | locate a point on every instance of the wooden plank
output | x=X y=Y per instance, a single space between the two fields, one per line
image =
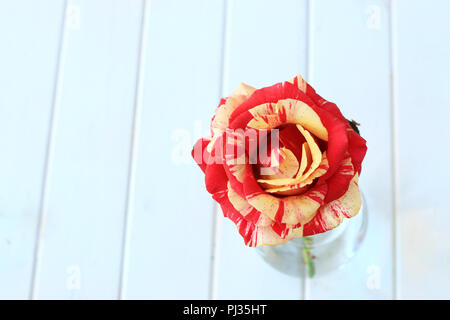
x=423 y=100
x=30 y=34
x=350 y=66
x=84 y=202
x=170 y=217
x=266 y=43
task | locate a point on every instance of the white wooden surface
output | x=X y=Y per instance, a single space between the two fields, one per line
x=101 y=101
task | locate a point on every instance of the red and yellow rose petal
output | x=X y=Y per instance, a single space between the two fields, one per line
x=246 y=210
x=316 y=154
x=220 y=120
x=226 y=108
x=357 y=148
x=200 y=154
x=290 y=210
x=331 y=214
x=285 y=111
x=216 y=180
x=339 y=182
x=298 y=183
x=256 y=228
x=306 y=159
x=286 y=168
x=337 y=142
x=291 y=138
x=299 y=82
x=247 y=230
x=283 y=90
x=266 y=236
x=312 y=158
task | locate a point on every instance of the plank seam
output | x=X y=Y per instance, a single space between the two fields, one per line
x=216 y=224
x=306 y=283
x=56 y=100
x=133 y=149
x=394 y=141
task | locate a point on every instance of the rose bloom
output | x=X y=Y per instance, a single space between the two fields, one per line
x=282 y=162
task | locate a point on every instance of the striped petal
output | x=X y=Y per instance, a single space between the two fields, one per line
x=299 y=184
x=246 y=210
x=312 y=165
x=266 y=236
x=299 y=82
x=221 y=118
x=272 y=115
x=357 y=148
x=289 y=210
x=223 y=112
x=330 y=215
x=200 y=154
x=339 y=182
x=286 y=168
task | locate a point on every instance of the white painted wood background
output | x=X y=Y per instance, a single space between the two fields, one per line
x=101 y=100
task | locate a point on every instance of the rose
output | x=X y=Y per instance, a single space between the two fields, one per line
x=282 y=162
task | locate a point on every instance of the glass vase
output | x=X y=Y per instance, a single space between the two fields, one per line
x=315 y=255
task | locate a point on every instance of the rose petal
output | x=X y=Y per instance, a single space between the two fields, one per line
x=357 y=148
x=289 y=210
x=269 y=97
x=299 y=82
x=337 y=142
x=296 y=184
x=316 y=155
x=315 y=152
x=287 y=167
x=306 y=159
x=272 y=115
x=226 y=107
x=339 y=182
x=291 y=138
x=200 y=154
x=246 y=210
x=268 y=236
x=279 y=91
x=215 y=179
x=330 y=215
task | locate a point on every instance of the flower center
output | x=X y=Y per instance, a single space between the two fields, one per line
x=295 y=164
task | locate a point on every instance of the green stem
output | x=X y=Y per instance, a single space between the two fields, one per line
x=307 y=257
